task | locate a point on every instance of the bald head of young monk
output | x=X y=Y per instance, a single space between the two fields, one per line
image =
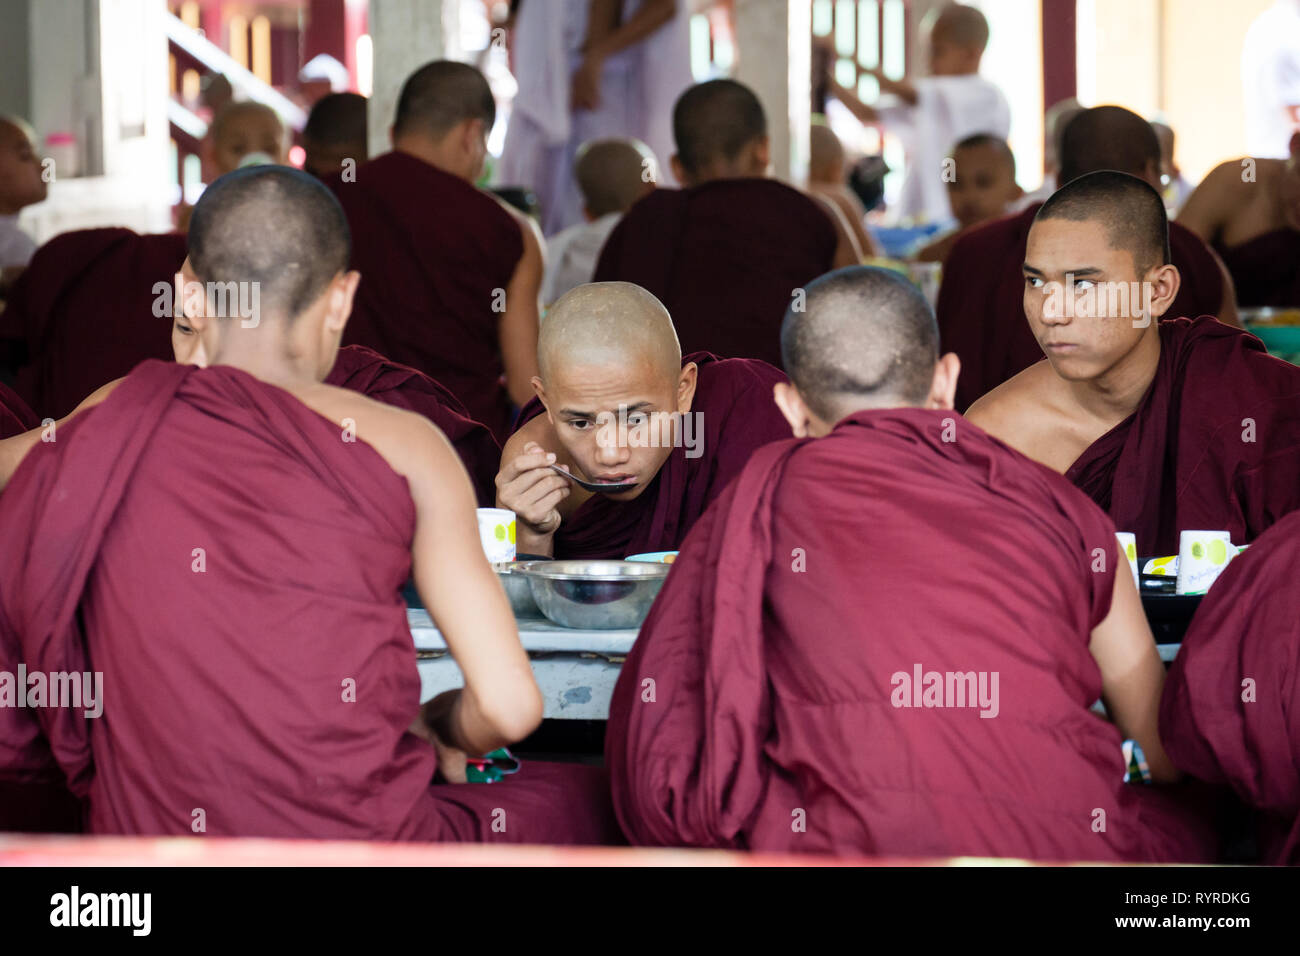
x=21 y=183
x=335 y=132
x=1098 y=274
x=720 y=131
x=866 y=338
x=245 y=132
x=958 y=36
x=1109 y=137
x=613 y=174
x=444 y=114
x=266 y=285
x=983 y=184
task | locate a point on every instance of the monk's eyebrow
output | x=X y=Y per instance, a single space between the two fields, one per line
x=574 y=413
x=1031 y=270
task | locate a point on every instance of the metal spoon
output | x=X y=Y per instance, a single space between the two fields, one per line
x=603 y=487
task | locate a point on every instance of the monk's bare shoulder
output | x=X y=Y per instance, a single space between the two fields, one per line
x=529 y=231
x=1017 y=411
x=406 y=440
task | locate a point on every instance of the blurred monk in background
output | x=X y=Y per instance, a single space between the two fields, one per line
x=982 y=187
x=21 y=185
x=1250 y=210
x=828 y=180
x=335 y=132
x=726 y=253
x=452 y=274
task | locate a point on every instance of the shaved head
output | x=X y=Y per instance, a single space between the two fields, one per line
x=441 y=95
x=963 y=26
x=1055 y=120
x=995 y=144
x=337 y=119
x=866 y=338
x=714 y=121
x=825 y=154
x=274 y=226
x=1132 y=213
x=608 y=324
x=21 y=180
x=1108 y=137
x=611 y=174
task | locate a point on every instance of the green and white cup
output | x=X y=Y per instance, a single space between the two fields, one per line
x=1202 y=556
x=1128 y=547
x=496 y=531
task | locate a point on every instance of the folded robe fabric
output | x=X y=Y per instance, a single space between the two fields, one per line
x=86 y=311
x=981 y=306
x=1231 y=707
x=1214 y=444
x=15 y=416
x=736 y=414
x=207 y=543
x=769 y=701
x=1265 y=270
x=435 y=256
x=725 y=258
x=366 y=371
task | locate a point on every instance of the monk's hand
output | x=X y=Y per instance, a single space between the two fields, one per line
x=530 y=488
x=436 y=724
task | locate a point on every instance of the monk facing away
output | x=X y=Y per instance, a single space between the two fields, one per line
x=1250 y=210
x=828 y=179
x=726 y=253
x=226 y=546
x=1231 y=708
x=846 y=657
x=618 y=402
x=335 y=133
x=1168 y=425
x=981 y=316
x=451 y=273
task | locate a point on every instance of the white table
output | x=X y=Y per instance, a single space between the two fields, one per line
x=575 y=669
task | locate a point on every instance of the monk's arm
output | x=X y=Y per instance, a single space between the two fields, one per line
x=518 y=328
x=863 y=112
x=500 y=702
x=13 y=450
x=528 y=486
x=847 y=250
x=1213 y=201
x=649 y=17
x=1132 y=675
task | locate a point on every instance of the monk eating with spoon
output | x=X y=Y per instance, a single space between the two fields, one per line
x=618 y=404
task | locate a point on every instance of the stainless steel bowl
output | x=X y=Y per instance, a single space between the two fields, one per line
x=601 y=595
x=518 y=590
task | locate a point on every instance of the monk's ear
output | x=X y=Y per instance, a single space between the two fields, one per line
x=686 y=387
x=793 y=408
x=343 y=289
x=763 y=154
x=679 y=171
x=1163 y=283
x=540 y=391
x=943 y=386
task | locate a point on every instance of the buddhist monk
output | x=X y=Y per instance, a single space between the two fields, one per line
x=90 y=307
x=21 y=185
x=1168 y=425
x=726 y=253
x=982 y=188
x=981 y=317
x=451 y=273
x=886 y=635
x=828 y=178
x=246 y=132
x=260 y=623
x=612 y=175
x=335 y=132
x=618 y=402
x=1231 y=708
x=1250 y=210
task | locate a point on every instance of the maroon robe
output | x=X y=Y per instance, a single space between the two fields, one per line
x=366 y=371
x=1266 y=269
x=83 y=314
x=724 y=258
x=279 y=653
x=981 y=307
x=1214 y=444
x=1245 y=628
x=759 y=707
x=435 y=256
x=734 y=398
x=15 y=416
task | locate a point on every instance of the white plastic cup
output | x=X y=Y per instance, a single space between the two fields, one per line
x=1128 y=548
x=1202 y=556
x=496 y=531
